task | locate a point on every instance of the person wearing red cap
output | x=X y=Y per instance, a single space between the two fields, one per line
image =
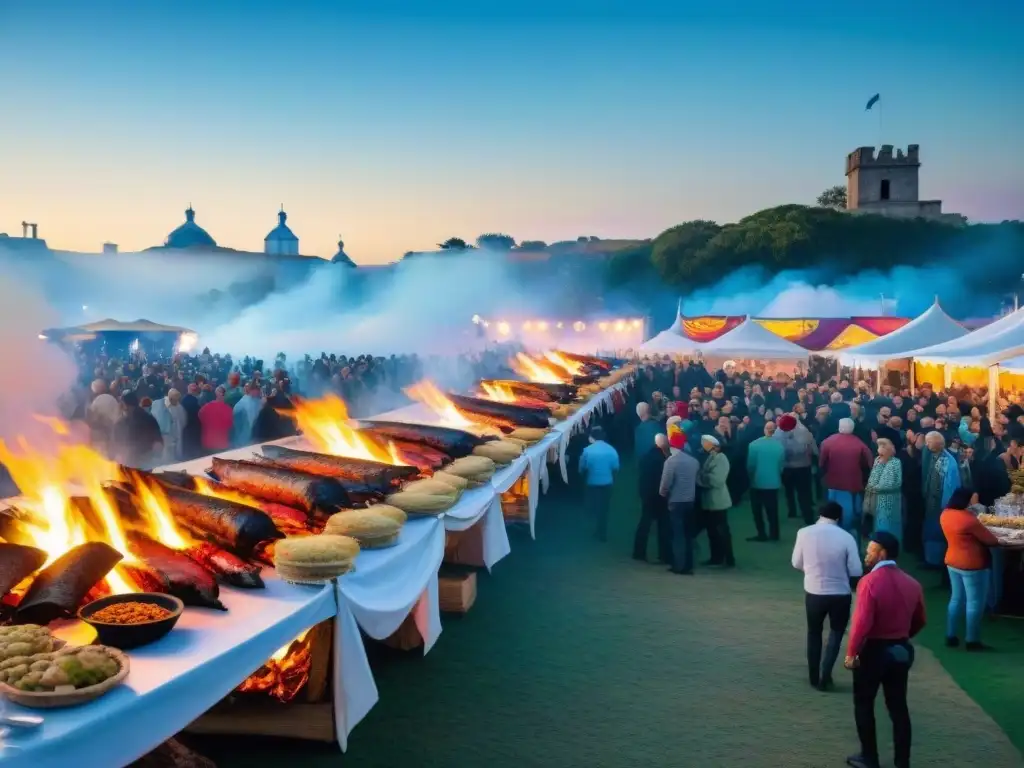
x=797 y=477
x=679 y=486
x=234 y=390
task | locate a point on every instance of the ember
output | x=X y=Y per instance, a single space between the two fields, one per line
x=285 y=673
x=539 y=371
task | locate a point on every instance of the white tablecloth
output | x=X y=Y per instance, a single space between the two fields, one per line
x=172 y=681
x=386 y=586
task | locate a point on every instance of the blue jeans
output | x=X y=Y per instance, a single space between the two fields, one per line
x=680 y=516
x=970 y=589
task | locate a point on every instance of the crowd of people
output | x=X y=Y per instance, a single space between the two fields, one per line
x=145 y=411
x=904 y=472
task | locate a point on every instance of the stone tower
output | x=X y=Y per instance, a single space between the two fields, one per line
x=887 y=185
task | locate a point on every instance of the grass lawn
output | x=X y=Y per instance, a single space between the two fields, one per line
x=576 y=655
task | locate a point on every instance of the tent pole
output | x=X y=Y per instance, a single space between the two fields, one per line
x=993 y=392
x=947 y=376
x=913 y=378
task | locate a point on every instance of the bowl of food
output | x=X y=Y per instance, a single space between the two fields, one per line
x=132 y=620
x=62 y=678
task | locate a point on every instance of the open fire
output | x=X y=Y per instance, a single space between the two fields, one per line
x=285 y=673
x=539 y=371
x=325 y=423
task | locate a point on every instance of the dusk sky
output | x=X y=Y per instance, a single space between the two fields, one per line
x=397 y=125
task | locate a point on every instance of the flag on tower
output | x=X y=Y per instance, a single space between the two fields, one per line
x=872 y=101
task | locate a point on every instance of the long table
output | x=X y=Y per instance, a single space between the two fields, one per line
x=209 y=653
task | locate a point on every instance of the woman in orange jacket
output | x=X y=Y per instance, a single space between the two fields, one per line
x=967 y=560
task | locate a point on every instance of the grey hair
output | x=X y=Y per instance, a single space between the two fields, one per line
x=885 y=441
x=642 y=409
x=837 y=397
x=661 y=440
x=934 y=436
x=846 y=426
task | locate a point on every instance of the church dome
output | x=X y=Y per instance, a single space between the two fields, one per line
x=281 y=241
x=341 y=257
x=190 y=234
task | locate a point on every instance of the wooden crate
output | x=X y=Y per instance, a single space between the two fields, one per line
x=456 y=591
x=310 y=716
x=465 y=547
x=406 y=637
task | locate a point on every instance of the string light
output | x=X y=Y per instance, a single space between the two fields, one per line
x=503 y=328
x=619 y=325
x=579 y=326
x=603 y=326
x=542 y=326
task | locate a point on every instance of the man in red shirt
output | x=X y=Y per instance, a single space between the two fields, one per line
x=889 y=611
x=217 y=419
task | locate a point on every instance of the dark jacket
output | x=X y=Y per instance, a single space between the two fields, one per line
x=649 y=476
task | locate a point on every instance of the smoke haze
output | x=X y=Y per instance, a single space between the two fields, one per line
x=424 y=305
x=35 y=374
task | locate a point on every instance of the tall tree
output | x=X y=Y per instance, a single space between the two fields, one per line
x=496 y=242
x=834 y=198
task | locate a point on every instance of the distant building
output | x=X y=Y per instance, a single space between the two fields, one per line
x=281 y=241
x=189 y=234
x=888 y=185
x=341 y=257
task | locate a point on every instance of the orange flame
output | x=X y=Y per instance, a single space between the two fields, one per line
x=425 y=392
x=572 y=367
x=498 y=393
x=536 y=371
x=325 y=424
x=48 y=481
x=285 y=673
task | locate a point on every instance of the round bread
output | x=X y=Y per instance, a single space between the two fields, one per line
x=459 y=483
x=388 y=511
x=364 y=526
x=315 y=550
x=431 y=487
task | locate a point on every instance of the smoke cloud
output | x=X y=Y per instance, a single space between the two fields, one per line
x=37 y=374
x=903 y=291
x=424 y=305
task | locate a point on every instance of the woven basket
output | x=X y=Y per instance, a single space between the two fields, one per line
x=54 y=700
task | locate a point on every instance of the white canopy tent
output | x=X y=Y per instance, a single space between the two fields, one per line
x=669 y=342
x=936 y=352
x=752 y=341
x=932 y=327
x=987 y=347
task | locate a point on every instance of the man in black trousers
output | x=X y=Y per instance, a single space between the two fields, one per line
x=830 y=562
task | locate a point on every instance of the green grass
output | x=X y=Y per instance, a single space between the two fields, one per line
x=576 y=655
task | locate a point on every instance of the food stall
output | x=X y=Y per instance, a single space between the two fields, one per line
x=353 y=516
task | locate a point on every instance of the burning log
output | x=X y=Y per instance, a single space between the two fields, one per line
x=358 y=491
x=454 y=443
x=228 y=524
x=183 y=577
x=283 y=486
x=228 y=568
x=59 y=588
x=563 y=393
x=512 y=415
x=18 y=562
x=596 y=362
x=326 y=465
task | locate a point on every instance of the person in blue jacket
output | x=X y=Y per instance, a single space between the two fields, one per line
x=598 y=464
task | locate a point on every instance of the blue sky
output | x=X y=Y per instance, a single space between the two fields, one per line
x=397 y=125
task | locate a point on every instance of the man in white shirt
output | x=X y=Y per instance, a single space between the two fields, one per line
x=828 y=556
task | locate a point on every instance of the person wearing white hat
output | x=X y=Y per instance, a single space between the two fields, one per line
x=715 y=502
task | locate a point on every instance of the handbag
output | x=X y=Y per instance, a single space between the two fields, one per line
x=870 y=504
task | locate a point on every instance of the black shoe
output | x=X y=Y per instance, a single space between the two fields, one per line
x=641 y=558
x=757 y=538
x=681 y=573
x=825 y=685
x=773 y=538
x=978 y=646
x=729 y=564
x=859 y=761
x=952 y=642
x=712 y=563
x=814 y=683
